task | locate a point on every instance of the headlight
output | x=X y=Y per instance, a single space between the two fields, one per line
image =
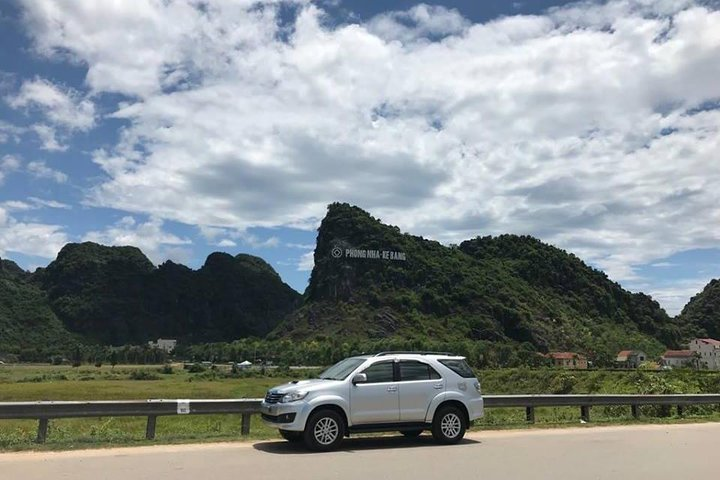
x=477 y=387
x=293 y=397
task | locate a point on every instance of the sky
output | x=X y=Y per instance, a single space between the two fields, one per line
x=185 y=127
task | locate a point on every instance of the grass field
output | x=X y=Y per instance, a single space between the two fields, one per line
x=44 y=382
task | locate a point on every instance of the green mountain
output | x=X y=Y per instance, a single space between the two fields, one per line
x=702 y=312
x=97 y=291
x=507 y=289
x=114 y=295
x=28 y=327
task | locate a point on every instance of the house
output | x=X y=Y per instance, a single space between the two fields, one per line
x=630 y=358
x=679 y=358
x=708 y=351
x=166 y=344
x=569 y=360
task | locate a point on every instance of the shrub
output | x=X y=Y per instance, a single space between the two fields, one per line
x=166 y=369
x=143 y=375
x=196 y=368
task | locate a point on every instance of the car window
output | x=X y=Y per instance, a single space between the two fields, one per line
x=460 y=367
x=413 y=370
x=379 y=372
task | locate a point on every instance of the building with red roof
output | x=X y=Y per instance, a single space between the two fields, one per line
x=630 y=358
x=570 y=360
x=679 y=358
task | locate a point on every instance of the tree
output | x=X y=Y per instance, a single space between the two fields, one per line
x=77 y=356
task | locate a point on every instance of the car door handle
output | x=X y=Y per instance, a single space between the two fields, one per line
x=392 y=388
x=438 y=386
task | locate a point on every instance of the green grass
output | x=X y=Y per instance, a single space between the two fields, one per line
x=38 y=382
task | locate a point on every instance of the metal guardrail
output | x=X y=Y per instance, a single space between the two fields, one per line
x=45 y=410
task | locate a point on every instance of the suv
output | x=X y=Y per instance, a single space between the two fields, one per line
x=392 y=391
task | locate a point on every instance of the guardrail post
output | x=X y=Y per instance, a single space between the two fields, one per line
x=530 y=414
x=635 y=411
x=42 y=430
x=680 y=410
x=150 y=428
x=245 y=428
x=585 y=413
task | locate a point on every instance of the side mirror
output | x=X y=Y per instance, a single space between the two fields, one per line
x=359 y=378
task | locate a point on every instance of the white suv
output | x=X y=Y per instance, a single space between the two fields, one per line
x=392 y=391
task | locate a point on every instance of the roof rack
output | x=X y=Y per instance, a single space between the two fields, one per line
x=410 y=352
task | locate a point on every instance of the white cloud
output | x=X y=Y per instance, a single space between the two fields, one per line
x=48 y=139
x=227 y=243
x=149 y=237
x=8 y=164
x=420 y=22
x=29 y=238
x=302 y=246
x=32 y=203
x=580 y=126
x=306 y=262
x=211 y=234
x=9 y=132
x=41 y=170
x=61 y=106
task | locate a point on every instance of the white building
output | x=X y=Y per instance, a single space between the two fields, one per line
x=679 y=359
x=165 y=344
x=708 y=351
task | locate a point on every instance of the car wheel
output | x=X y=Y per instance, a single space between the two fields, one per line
x=411 y=433
x=324 y=431
x=291 y=436
x=448 y=425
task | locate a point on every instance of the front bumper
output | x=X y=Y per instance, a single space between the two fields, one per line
x=285 y=416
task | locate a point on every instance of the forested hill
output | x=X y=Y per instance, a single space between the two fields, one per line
x=114 y=295
x=703 y=311
x=26 y=321
x=506 y=289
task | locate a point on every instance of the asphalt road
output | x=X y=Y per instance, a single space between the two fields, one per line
x=652 y=452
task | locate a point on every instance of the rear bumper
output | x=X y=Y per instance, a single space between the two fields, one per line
x=476 y=408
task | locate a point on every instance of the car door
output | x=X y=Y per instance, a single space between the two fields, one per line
x=419 y=384
x=375 y=401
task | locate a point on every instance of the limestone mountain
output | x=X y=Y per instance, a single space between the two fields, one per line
x=505 y=289
x=115 y=295
x=702 y=313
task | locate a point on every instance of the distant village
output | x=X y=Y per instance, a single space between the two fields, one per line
x=701 y=354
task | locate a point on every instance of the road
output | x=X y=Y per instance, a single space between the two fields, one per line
x=652 y=452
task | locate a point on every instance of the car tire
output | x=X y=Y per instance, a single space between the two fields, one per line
x=290 y=436
x=411 y=433
x=324 y=431
x=448 y=425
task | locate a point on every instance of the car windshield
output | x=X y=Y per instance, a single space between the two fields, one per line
x=342 y=369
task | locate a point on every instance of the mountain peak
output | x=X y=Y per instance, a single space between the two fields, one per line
x=703 y=311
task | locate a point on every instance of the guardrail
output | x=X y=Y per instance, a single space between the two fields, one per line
x=44 y=410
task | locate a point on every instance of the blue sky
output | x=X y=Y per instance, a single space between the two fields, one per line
x=185 y=128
